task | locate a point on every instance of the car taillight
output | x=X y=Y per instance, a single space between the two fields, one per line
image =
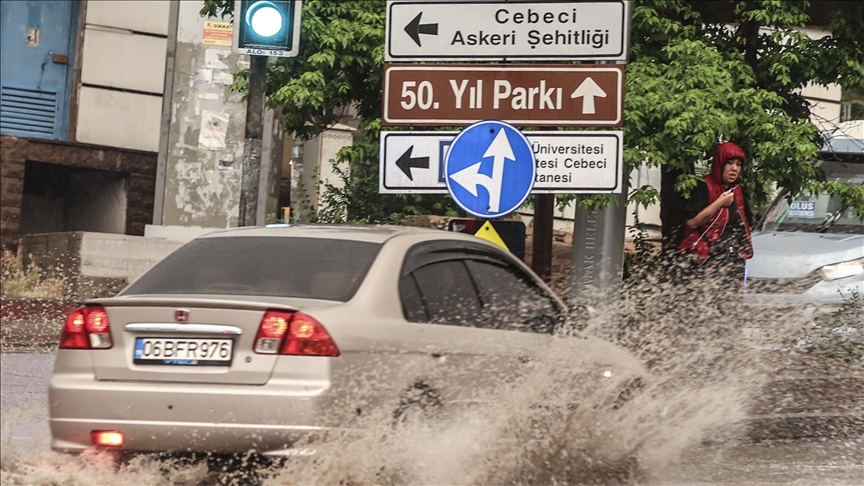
x=271 y=332
x=293 y=333
x=86 y=328
x=108 y=438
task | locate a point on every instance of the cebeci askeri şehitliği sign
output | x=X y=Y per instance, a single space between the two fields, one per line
x=495 y=31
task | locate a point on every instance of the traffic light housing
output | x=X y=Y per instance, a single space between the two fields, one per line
x=267 y=27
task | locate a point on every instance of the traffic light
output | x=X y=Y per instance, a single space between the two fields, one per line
x=267 y=27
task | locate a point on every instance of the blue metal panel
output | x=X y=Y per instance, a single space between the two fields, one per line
x=34 y=86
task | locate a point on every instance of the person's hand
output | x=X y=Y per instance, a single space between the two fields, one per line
x=726 y=197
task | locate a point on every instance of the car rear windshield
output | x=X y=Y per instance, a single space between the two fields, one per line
x=311 y=268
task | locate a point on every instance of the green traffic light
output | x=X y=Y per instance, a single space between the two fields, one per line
x=268 y=27
x=265 y=20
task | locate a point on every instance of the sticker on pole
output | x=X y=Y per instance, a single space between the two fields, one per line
x=490 y=169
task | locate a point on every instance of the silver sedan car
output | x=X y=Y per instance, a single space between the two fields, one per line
x=255 y=338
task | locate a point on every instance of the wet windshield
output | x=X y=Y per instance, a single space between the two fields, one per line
x=809 y=213
x=312 y=268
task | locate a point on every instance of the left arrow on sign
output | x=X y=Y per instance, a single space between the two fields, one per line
x=406 y=162
x=414 y=29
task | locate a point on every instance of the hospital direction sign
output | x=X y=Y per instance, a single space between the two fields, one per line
x=566 y=162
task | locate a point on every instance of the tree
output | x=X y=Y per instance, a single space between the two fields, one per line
x=700 y=72
x=703 y=72
x=339 y=66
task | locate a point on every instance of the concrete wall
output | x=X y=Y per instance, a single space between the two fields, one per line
x=316 y=169
x=63 y=198
x=122 y=73
x=136 y=168
x=100 y=202
x=825 y=105
x=94 y=264
x=202 y=181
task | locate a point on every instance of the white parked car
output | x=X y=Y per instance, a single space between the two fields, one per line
x=810 y=251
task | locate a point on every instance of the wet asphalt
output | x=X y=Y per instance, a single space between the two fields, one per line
x=812 y=461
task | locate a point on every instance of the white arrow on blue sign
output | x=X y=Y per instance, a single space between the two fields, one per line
x=490 y=169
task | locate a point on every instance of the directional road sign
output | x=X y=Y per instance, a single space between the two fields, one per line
x=566 y=162
x=524 y=94
x=450 y=30
x=489 y=169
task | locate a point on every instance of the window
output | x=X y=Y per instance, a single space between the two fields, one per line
x=511 y=300
x=448 y=293
x=412 y=302
x=310 y=268
x=471 y=285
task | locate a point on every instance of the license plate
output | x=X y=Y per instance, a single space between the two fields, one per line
x=183 y=351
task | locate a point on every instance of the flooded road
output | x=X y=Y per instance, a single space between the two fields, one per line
x=28 y=460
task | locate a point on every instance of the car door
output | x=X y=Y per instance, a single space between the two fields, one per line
x=439 y=295
x=477 y=339
x=523 y=314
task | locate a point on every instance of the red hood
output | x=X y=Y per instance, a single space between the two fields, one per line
x=724 y=152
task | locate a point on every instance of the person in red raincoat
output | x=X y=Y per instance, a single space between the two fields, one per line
x=717 y=229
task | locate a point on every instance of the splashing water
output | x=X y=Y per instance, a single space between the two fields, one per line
x=687 y=375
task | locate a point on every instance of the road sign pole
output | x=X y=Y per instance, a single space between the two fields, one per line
x=598 y=254
x=541 y=253
x=252 y=144
x=597 y=265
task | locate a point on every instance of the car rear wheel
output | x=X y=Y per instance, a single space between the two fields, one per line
x=419 y=404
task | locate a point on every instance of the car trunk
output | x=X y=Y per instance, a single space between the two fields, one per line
x=210 y=326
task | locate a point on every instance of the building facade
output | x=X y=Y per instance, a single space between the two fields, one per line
x=81 y=89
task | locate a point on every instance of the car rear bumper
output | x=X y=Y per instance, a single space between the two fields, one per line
x=73 y=436
x=183 y=417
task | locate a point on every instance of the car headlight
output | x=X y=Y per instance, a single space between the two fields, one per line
x=842 y=270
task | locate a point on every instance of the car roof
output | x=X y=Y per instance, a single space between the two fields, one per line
x=369 y=233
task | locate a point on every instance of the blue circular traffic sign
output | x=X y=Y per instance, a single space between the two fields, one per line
x=490 y=169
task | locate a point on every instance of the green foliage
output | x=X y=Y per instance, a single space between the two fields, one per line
x=340 y=67
x=717 y=71
x=699 y=73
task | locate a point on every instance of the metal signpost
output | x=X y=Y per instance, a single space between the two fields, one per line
x=526 y=95
x=496 y=31
x=532 y=95
x=566 y=162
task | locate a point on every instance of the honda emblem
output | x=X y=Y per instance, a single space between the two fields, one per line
x=181 y=315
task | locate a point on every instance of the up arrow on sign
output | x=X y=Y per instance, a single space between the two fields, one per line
x=587 y=91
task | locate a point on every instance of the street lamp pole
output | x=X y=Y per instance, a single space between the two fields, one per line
x=252 y=143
